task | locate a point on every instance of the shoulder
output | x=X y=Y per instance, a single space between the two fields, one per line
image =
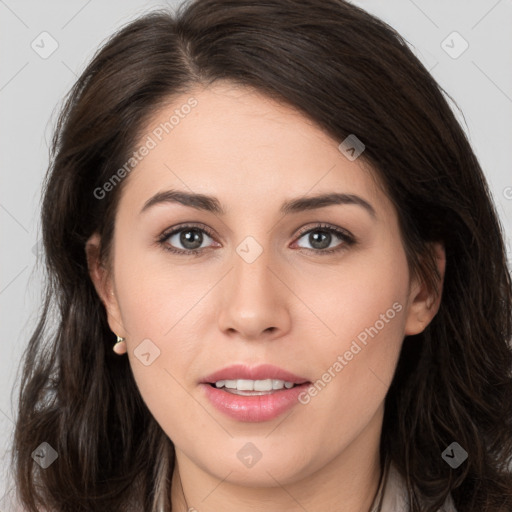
x=395 y=495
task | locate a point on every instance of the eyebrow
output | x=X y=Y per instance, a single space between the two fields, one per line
x=211 y=204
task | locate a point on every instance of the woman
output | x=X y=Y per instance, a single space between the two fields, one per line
x=368 y=370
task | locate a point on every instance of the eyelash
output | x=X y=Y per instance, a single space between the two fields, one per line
x=347 y=238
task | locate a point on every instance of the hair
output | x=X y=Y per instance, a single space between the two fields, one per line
x=350 y=73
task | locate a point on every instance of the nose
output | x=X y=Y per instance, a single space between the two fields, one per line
x=254 y=300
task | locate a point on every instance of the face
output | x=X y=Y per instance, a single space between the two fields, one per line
x=317 y=289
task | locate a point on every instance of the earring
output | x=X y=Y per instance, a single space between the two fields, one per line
x=120 y=346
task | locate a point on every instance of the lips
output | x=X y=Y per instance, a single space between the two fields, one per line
x=261 y=372
x=253 y=406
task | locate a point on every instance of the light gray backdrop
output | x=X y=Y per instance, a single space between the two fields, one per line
x=44 y=46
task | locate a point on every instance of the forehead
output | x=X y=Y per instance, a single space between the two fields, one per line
x=245 y=148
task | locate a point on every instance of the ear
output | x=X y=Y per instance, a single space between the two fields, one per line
x=103 y=282
x=423 y=303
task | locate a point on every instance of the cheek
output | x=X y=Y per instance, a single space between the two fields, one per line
x=156 y=297
x=355 y=296
x=356 y=357
x=159 y=308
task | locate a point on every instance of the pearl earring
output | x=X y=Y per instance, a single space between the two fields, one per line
x=120 y=346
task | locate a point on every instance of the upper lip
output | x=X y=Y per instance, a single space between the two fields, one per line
x=260 y=372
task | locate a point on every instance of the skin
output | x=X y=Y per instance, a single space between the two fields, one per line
x=207 y=312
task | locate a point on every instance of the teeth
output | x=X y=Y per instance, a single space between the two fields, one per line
x=254 y=385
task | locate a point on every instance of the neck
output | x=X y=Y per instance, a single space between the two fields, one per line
x=348 y=483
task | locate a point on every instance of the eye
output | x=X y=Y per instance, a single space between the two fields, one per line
x=321 y=237
x=190 y=237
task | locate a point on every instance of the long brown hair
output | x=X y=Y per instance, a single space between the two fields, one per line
x=350 y=73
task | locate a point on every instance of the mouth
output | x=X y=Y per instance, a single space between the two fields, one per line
x=255 y=394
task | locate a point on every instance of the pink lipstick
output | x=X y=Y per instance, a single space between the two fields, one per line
x=254 y=394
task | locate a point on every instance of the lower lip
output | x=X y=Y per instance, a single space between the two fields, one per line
x=254 y=408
